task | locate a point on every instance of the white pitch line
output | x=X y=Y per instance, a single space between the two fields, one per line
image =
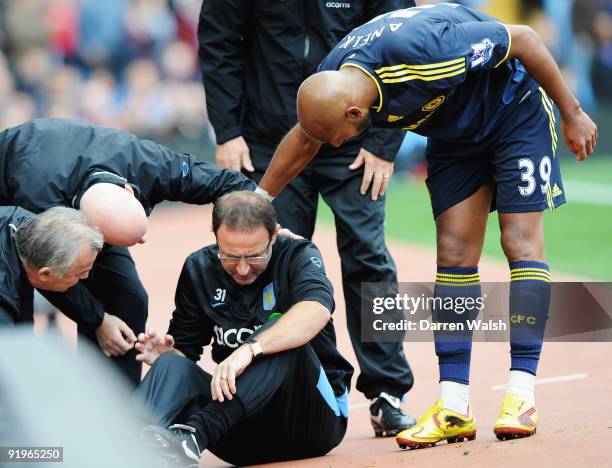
x=589 y=193
x=549 y=380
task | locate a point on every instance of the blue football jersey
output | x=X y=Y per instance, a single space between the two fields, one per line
x=441 y=70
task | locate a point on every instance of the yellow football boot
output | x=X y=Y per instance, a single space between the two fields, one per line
x=436 y=425
x=516 y=418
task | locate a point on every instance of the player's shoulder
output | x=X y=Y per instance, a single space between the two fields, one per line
x=400 y=32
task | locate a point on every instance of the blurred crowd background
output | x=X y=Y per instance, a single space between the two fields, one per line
x=129 y=64
x=133 y=64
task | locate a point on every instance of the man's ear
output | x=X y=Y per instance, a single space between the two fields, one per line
x=354 y=113
x=129 y=188
x=44 y=274
x=275 y=234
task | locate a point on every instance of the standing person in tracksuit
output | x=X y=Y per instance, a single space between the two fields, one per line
x=116 y=179
x=279 y=391
x=254 y=55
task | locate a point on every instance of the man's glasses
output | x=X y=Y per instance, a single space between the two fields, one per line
x=253 y=261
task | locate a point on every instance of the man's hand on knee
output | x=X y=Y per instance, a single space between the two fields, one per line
x=223 y=384
x=114 y=336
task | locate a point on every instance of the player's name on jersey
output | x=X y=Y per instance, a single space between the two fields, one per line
x=428 y=325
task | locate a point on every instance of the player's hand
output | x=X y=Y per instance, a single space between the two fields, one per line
x=580 y=134
x=223 y=384
x=377 y=172
x=234 y=154
x=114 y=336
x=152 y=345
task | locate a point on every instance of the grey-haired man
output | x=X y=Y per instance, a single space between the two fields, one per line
x=51 y=251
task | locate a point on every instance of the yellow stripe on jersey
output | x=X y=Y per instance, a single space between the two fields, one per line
x=424 y=78
x=406 y=71
x=380 y=94
x=509 y=46
x=420 y=67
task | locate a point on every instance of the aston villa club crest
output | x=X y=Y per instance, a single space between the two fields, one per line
x=269 y=301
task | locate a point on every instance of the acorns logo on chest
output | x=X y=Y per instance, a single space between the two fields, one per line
x=233 y=337
x=338 y=5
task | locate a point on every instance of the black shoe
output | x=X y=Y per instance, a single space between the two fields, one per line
x=387 y=417
x=177 y=445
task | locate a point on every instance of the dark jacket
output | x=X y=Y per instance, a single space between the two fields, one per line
x=16 y=291
x=211 y=307
x=255 y=54
x=50 y=162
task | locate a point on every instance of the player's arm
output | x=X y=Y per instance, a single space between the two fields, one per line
x=293 y=154
x=579 y=131
x=295 y=328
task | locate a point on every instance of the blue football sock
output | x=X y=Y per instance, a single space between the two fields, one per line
x=529 y=303
x=455 y=294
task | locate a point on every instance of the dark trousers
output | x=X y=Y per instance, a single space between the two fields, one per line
x=114 y=281
x=288 y=411
x=363 y=254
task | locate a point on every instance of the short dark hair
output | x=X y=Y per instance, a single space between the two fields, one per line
x=243 y=211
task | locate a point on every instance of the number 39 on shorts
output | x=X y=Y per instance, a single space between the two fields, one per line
x=527 y=168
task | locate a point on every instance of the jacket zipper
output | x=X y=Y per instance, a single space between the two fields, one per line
x=306 y=35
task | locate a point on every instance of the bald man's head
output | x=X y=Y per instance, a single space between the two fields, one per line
x=328 y=109
x=116 y=212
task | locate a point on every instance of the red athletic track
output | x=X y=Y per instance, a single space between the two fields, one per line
x=575 y=417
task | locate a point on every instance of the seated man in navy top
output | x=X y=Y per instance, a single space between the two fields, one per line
x=279 y=391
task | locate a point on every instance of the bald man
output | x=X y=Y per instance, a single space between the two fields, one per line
x=483 y=93
x=116 y=179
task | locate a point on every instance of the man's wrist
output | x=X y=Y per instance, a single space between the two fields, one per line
x=254 y=347
x=571 y=111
